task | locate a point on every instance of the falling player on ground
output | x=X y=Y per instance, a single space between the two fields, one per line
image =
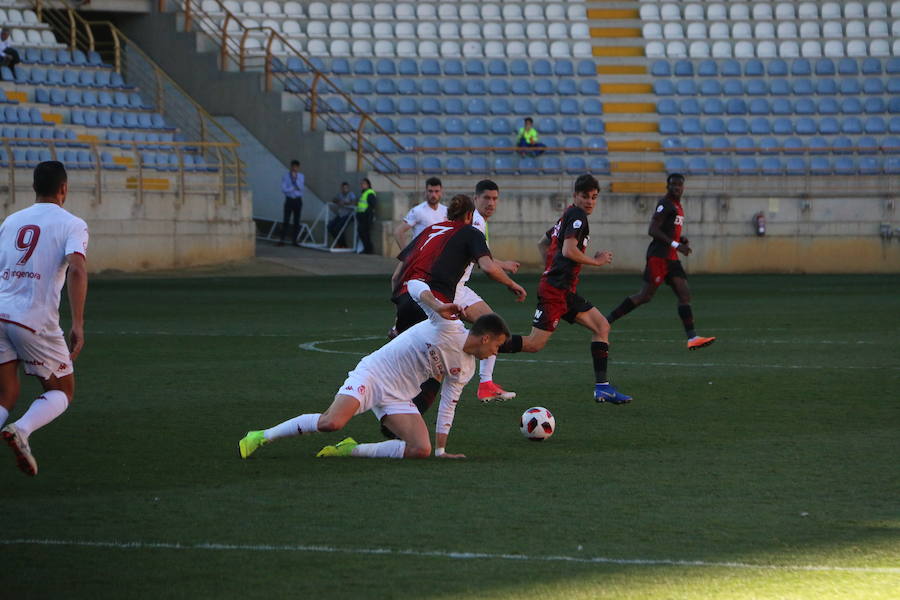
x=663 y=264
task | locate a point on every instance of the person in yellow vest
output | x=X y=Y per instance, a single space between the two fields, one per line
x=365 y=214
x=528 y=138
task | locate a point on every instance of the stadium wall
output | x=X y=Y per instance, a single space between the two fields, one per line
x=804 y=235
x=154 y=230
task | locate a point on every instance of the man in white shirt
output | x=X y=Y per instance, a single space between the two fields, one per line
x=487 y=194
x=386 y=380
x=41 y=248
x=424 y=214
x=9 y=56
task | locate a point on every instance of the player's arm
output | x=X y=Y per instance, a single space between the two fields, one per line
x=655 y=231
x=400 y=233
x=510 y=266
x=571 y=251
x=421 y=293
x=493 y=270
x=450 y=393
x=76 y=286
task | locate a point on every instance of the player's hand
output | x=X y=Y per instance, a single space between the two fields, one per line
x=685 y=249
x=519 y=292
x=603 y=258
x=449 y=311
x=448 y=455
x=510 y=266
x=76 y=342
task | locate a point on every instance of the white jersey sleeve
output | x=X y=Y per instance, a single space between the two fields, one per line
x=421 y=216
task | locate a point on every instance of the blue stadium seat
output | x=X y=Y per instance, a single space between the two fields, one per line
x=801 y=67
x=757 y=87
x=541 y=68
x=710 y=87
x=689 y=106
x=475 y=87
x=478 y=142
x=849 y=86
x=875 y=125
x=736 y=106
x=802 y=87
x=826 y=86
x=707 y=68
x=31 y=56
x=760 y=126
x=528 y=166
x=684 y=68
x=474 y=67
x=55 y=77
x=867 y=145
x=819 y=165
x=407 y=66
x=847 y=66
x=566 y=87
x=892 y=165
x=453 y=67
x=518 y=67
x=597 y=145
x=824 y=66
x=685 y=87
x=779 y=87
x=502 y=144
x=551 y=142
x=455 y=165
x=477 y=126
x=594 y=126
x=453 y=87
x=55 y=97
x=589 y=87
x=771 y=166
x=592 y=106
x=407 y=143
x=89 y=98
x=805 y=126
x=659 y=68
x=479 y=165
x=547 y=125
x=754 y=68
x=551 y=165
x=777 y=68
x=711 y=106
x=828 y=106
x=894 y=126
x=732 y=87
x=723 y=165
x=698 y=165
x=500 y=106
x=319 y=64
x=894 y=105
x=383 y=86
x=599 y=166
x=869 y=165
x=48 y=56
x=841 y=145
x=563 y=67
x=504 y=164
x=431 y=164
x=695 y=145
x=805 y=106
x=744 y=145
x=545 y=106
x=689 y=126
x=661 y=87
x=341 y=66
x=851 y=106
x=383 y=106
x=520 y=87
x=871 y=66
x=430 y=66
x=429 y=87
x=117 y=119
x=363 y=66
x=817 y=145
x=587 y=68
x=737 y=126
x=575 y=165
x=476 y=106
x=893 y=85
x=543 y=87
x=430 y=125
x=407 y=106
x=498 y=87
x=63 y=57
x=672 y=145
x=782 y=106
x=782 y=126
x=569 y=106
x=675 y=165
x=571 y=145
x=796 y=165
x=501 y=126
x=86 y=78
x=361 y=86
x=730 y=68
x=570 y=125
x=387 y=124
x=759 y=106
x=497 y=68
x=407 y=125
x=523 y=106
x=768 y=145
x=719 y=145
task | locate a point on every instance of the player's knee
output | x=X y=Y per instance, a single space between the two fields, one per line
x=328 y=423
x=417 y=450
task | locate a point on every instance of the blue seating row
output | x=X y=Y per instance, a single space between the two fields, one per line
x=65 y=77
x=62 y=56
x=551 y=165
x=84 y=159
x=363 y=86
x=777 y=87
x=73 y=159
x=90 y=99
x=473 y=106
x=168 y=161
x=453 y=144
x=130 y=120
x=776 y=67
x=59 y=136
x=789 y=145
x=114 y=137
x=779 y=126
x=475 y=125
x=451 y=67
x=779 y=106
x=26 y=116
x=817 y=165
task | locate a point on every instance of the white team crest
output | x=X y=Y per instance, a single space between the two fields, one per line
x=576 y=224
x=659 y=208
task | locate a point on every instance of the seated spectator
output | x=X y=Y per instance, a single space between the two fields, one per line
x=9 y=56
x=528 y=138
x=343 y=205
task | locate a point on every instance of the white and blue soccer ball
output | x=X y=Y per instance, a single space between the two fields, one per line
x=537 y=423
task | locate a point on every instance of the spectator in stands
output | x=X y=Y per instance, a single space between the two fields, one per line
x=9 y=56
x=343 y=205
x=365 y=214
x=292 y=188
x=528 y=138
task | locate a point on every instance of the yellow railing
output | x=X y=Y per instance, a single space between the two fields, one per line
x=235 y=53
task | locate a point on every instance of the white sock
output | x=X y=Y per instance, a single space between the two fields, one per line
x=486 y=368
x=4 y=414
x=388 y=449
x=302 y=425
x=44 y=409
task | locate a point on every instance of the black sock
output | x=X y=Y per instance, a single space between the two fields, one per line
x=621 y=310
x=687 y=318
x=600 y=353
x=512 y=345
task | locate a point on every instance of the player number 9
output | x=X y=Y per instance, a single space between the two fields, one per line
x=26 y=240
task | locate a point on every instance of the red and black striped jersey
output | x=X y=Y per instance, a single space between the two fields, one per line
x=562 y=272
x=439 y=257
x=671 y=217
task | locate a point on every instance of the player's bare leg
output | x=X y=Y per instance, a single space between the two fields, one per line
x=683 y=293
x=594 y=320
x=631 y=302
x=487 y=389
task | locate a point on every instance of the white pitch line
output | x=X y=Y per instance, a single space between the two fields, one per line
x=314 y=347
x=438 y=554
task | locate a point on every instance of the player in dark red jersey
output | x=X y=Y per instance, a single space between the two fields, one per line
x=564 y=247
x=663 y=264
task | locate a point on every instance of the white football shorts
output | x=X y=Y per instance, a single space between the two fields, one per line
x=42 y=355
x=374 y=396
x=465 y=297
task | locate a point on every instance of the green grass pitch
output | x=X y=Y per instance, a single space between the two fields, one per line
x=764 y=466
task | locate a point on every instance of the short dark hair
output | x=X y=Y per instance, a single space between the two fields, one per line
x=529 y=120
x=485 y=185
x=492 y=324
x=586 y=183
x=460 y=206
x=674 y=176
x=49 y=177
x=433 y=181
x=343 y=183
x=368 y=183
x=295 y=162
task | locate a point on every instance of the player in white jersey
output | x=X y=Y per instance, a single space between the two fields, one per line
x=386 y=380
x=41 y=248
x=422 y=215
x=487 y=193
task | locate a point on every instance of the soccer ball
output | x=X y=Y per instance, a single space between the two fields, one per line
x=537 y=423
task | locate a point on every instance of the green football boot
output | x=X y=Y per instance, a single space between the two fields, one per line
x=250 y=443
x=343 y=448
